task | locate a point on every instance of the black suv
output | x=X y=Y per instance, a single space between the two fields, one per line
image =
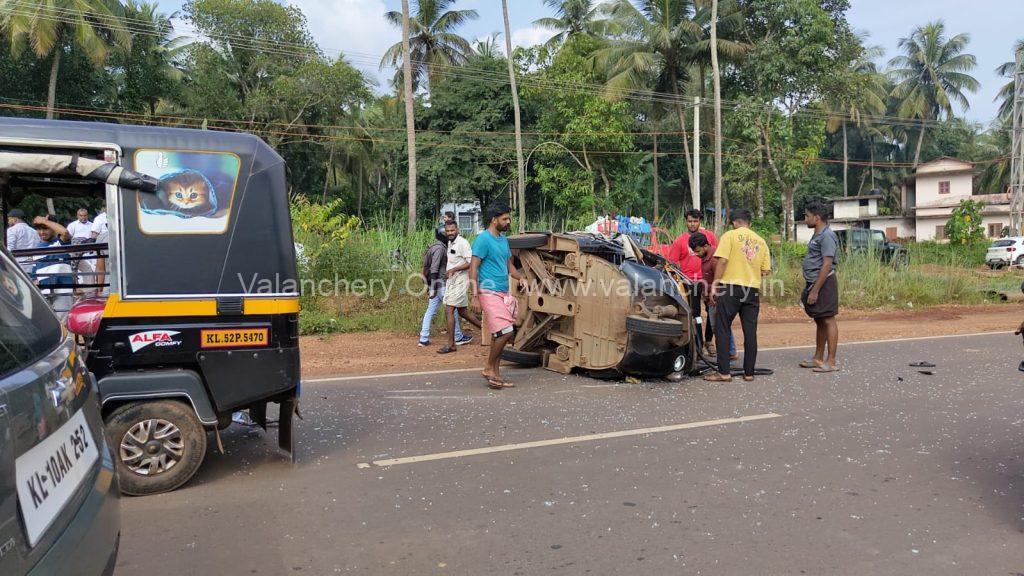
x=875 y=242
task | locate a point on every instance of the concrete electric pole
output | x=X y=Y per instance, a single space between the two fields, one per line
x=1017 y=154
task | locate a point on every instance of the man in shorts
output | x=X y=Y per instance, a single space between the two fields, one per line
x=456 y=288
x=488 y=280
x=820 y=298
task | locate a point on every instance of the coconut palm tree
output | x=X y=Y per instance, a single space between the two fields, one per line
x=1006 y=70
x=661 y=42
x=410 y=118
x=572 y=17
x=50 y=27
x=488 y=47
x=433 y=43
x=931 y=75
x=149 y=69
x=865 y=95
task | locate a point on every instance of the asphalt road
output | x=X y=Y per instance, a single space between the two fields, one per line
x=875 y=470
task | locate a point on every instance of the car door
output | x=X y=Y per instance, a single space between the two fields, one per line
x=10 y=528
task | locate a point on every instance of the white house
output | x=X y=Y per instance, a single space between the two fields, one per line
x=937 y=187
x=929 y=196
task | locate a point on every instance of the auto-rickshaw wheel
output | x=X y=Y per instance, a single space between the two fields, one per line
x=158 y=445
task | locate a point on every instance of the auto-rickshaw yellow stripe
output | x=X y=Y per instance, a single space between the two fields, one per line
x=117 y=308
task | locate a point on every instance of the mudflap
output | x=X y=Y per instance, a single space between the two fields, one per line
x=286 y=426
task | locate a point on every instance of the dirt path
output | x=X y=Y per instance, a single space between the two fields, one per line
x=383 y=352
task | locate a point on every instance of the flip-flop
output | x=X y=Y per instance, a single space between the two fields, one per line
x=716 y=377
x=810 y=364
x=447 y=350
x=922 y=365
x=494 y=383
x=825 y=369
x=748 y=378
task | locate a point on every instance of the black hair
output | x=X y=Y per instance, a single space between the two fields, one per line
x=818 y=209
x=741 y=215
x=698 y=239
x=496 y=209
x=694 y=214
x=451 y=222
x=449 y=215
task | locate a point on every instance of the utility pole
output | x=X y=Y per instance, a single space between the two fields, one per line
x=695 y=185
x=520 y=164
x=410 y=122
x=716 y=76
x=657 y=215
x=1017 y=155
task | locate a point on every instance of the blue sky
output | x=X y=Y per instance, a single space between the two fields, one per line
x=357 y=27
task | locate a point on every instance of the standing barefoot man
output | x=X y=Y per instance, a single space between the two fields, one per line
x=488 y=279
x=820 y=298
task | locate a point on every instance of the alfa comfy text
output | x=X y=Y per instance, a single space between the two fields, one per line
x=413 y=285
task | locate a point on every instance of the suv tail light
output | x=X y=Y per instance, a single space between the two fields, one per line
x=1011 y=249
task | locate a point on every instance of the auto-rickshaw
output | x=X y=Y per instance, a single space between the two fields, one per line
x=196 y=315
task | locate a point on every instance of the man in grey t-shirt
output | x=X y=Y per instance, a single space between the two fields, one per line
x=820 y=298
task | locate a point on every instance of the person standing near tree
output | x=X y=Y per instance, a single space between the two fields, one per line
x=489 y=273
x=820 y=298
x=742 y=260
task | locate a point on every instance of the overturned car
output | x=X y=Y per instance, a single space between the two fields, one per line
x=604 y=306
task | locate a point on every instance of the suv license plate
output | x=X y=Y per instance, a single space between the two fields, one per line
x=51 y=471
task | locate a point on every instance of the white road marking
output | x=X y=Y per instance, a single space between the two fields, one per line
x=569 y=440
x=779 y=348
x=451 y=397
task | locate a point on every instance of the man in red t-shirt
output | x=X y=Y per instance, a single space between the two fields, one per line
x=680 y=253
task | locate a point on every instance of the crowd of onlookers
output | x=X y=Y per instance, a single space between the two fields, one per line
x=725 y=273
x=59 y=275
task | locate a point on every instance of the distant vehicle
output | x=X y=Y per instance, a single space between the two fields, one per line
x=1004 y=252
x=874 y=242
x=59 y=498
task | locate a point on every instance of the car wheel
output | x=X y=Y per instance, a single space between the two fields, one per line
x=528 y=240
x=655 y=326
x=1020 y=260
x=158 y=445
x=520 y=357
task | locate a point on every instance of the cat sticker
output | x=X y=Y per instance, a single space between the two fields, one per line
x=195 y=192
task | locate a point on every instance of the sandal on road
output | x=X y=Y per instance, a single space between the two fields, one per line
x=447 y=350
x=495 y=383
x=823 y=369
x=810 y=364
x=716 y=377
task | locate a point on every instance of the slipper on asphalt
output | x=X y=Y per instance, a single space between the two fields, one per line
x=495 y=383
x=446 y=350
x=809 y=364
x=824 y=369
x=926 y=372
x=716 y=377
x=922 y=365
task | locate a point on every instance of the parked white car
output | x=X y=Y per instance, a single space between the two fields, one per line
x=1004 y=252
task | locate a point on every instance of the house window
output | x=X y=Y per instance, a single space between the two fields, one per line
x=891 y=233
x=466 y=222
x=995 y=230
x=944 y=187
x=863 y=203
x=940 y=232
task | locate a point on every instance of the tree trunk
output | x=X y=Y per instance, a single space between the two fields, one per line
x=657 y=216
x=787 y=191
x=920 y=141
x=759 y=200
x=327 y=174
x=682 y=127
x=871 y=147
x=51 y=92
x=717 y=81
x=846 y=163
x=359 y=202
x=607 y=184
x=518 y=121
x=410 y=120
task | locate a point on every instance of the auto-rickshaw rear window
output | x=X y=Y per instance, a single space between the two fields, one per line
x=195 y=193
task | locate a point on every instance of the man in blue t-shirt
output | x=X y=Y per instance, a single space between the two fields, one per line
x=488 y=280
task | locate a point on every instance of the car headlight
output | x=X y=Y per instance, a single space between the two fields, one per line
x=679 y=364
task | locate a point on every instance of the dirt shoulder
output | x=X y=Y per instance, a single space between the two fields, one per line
x=384 y=352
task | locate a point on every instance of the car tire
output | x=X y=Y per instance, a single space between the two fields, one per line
x=520 y=357
x=527 y=241
x=655 y=327
x=1020 y=260
x=132 y=430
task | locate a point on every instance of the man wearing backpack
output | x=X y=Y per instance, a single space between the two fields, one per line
x=435 y=260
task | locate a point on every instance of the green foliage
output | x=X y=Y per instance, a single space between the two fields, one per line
x=964 y=224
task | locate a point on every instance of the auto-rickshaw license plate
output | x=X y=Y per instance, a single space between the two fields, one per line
x=234 y=338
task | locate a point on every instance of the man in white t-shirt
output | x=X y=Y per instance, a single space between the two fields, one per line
x=21 y=236
x=82 y=227
x=456 y=289
x=99 y=233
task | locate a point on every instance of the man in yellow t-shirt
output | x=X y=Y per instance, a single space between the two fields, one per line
x=742 y=259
